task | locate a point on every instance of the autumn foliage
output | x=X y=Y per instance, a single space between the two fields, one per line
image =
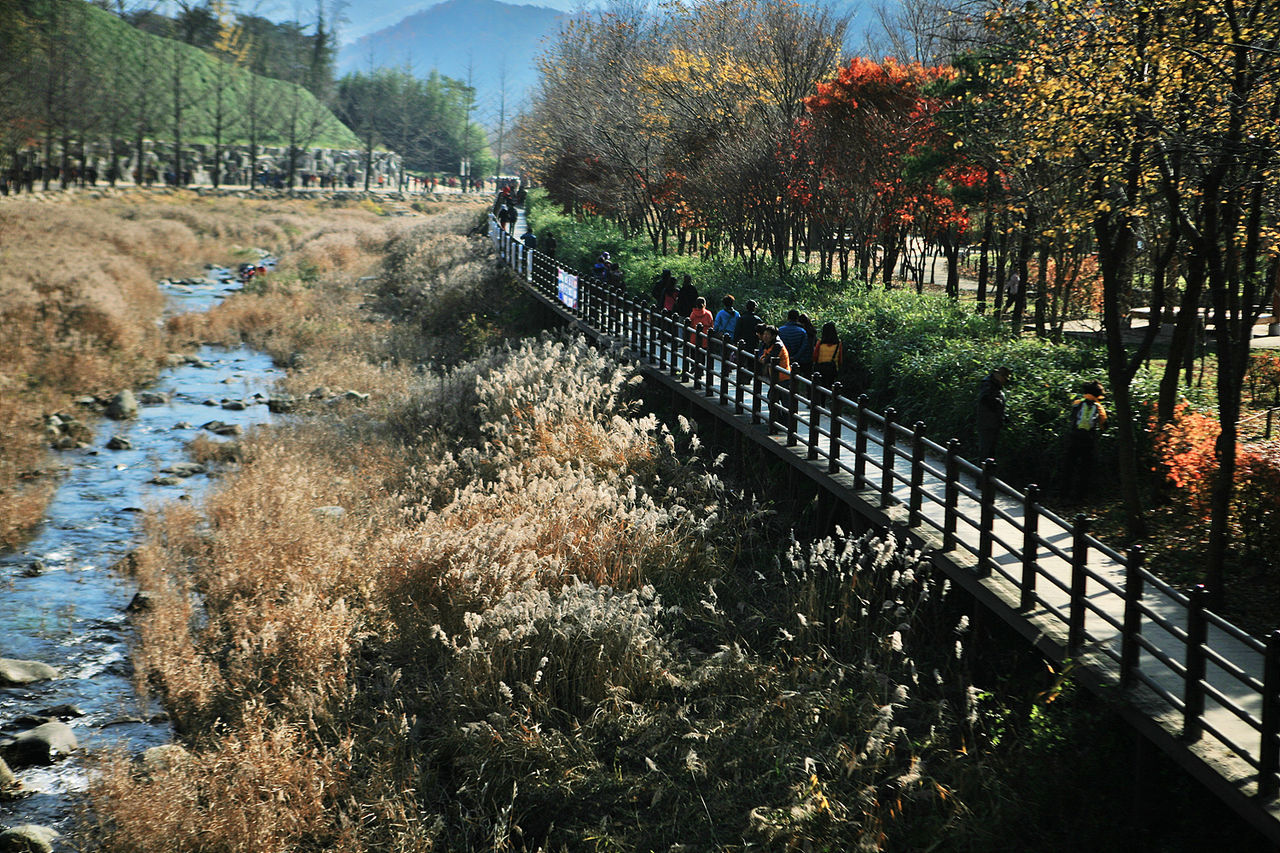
x=1186 y=456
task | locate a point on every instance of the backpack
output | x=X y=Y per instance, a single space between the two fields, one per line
x=1085 y=416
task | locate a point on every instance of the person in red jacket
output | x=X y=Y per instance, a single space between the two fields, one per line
x=700 y=314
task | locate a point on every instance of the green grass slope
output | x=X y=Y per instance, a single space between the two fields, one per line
x=122 y=59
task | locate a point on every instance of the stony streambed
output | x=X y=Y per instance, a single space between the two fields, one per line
x=62 y=604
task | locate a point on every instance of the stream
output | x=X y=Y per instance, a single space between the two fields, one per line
x=60 y=601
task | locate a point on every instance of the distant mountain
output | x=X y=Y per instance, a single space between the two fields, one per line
x=491 y=37
x=485 y=35
x=369 y=16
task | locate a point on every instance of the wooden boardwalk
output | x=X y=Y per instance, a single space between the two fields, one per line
x=1204 y=691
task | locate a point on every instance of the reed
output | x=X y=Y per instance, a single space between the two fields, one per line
x=498 y=606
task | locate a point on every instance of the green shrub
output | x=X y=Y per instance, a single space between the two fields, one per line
x=924 y=355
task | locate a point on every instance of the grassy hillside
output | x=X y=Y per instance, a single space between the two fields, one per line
x=124 y=77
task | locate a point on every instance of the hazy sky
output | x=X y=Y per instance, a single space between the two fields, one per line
x=367 y=16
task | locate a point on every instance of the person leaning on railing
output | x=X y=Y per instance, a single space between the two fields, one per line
x=772 y=347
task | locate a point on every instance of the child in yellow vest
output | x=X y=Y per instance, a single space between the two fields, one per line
x=1088 y=419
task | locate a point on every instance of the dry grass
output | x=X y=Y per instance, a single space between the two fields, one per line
x=496 y=607
x=78 y=301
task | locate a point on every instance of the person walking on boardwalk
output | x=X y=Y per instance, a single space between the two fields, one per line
x=804 y=357
x=726 y=323
x=1087 y=420
x=664 y=291
x=794 y=336
x=771 y=346
x=991 y=411
x=828 y=358
x=749 y=326
x=700 y=315
x=687 y=296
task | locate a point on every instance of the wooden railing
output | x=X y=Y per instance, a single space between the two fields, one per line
x=1222 y=681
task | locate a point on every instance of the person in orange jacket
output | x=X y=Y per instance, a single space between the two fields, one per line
x=771 y=346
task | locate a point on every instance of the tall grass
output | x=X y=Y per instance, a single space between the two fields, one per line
x=497 y=606
x=79 y=303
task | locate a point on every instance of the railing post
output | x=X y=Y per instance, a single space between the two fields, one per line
x=696 y=357
x=755 y=390
x=1197 y=635
x=833 y=455
x=917 y=474
x=652 y=336
x=584 y=296
x=684 y=349
x=793 y=407
x=709 y=362
x=724 y=371
x=951 y=496
x=1269 y=759
x=774 y=393
x=860 y=446
x=675 y=345
x=1030 y=546
x=890 y=440
x=1129 y=646
x=987 y=517
x=740 y=387
x=660 y=320
x=815 y=422
x=1079 y=584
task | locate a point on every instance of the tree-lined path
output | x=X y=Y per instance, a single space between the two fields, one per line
x=1199 y=687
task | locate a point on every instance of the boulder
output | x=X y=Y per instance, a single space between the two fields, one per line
x=63 y=712
x=220 y=428
x=355 y=396
x=35 y=569
x=165 y=481
x=143 y=600
x=44 y=744
x=181 y=425
x=164 y=757
x=281 y=404
x=17 y=672
x=174 y=359
x=122 y=406
x=319 y=393
x=152 y=398
x=196 y=361
x=8 y=780
x=119 y=442
x=183 y=469
x=328 y=511
x=28 y=838
x=234 y=405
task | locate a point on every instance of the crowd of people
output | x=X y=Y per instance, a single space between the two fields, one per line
x=797 y=347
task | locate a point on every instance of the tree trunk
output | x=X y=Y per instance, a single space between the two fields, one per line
x=1115 y=246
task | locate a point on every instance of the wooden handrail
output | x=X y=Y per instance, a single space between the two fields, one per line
x=674 y=347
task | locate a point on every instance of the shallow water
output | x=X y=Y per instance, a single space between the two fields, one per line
x=71 y=613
